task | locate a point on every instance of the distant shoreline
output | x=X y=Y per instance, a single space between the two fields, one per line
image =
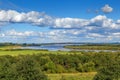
x=95 y=46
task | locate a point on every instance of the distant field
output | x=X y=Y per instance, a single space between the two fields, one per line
x=94 y=47
x=72 y=76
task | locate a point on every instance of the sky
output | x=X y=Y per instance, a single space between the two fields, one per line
x=56 y=21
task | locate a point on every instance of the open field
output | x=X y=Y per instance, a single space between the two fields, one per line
x=72 y=76
x=19 y=52
x=16 y=52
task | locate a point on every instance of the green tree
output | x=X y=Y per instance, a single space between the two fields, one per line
x=29 y=69
x=109 y=72
x=21 y=68
x=50 y=67
x=7 y=69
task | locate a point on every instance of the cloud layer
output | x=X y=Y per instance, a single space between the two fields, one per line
x=73 y=35
x=41 y=19
x=99 y=28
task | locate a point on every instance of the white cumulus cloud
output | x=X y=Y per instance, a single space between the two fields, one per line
x=70 y=23
x=33 y=17
x=107 y=9
x=103 y=21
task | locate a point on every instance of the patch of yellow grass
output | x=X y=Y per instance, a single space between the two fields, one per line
x=72 y=76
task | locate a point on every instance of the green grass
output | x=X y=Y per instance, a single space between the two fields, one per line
x=17 y=52
x=72 y=76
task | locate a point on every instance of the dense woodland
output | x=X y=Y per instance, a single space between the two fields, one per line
x=34 y=67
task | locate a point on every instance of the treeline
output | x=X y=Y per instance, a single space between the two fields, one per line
x=18 y=44
x=33 y=67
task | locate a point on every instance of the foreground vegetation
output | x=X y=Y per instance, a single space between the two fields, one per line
x=34 y=64
x=27 y=64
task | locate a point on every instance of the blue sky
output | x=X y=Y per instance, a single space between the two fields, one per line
x=45 y=21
